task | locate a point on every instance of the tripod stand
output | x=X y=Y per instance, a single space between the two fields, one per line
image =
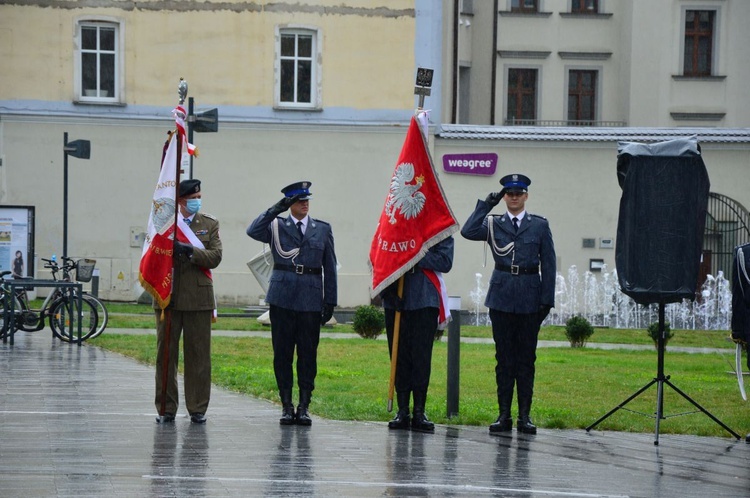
x=660 y=380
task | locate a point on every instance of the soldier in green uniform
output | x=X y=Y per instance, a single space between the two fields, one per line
x=190 y=311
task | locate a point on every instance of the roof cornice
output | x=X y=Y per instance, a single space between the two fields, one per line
x=590 y=134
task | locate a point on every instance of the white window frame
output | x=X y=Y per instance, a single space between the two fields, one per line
x=599 y=70
x=81 y=95
x=598 y=10
x=715 y=42
x=537 y=91
x=509 y=7
x=315 y=67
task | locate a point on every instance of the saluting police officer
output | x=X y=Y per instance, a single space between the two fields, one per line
x=520 y=295
x=190 y=311
x=741 y=301
x=302 y=292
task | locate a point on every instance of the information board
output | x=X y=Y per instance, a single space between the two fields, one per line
x=17 y=240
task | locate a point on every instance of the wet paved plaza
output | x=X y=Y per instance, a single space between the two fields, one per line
x=79 y=421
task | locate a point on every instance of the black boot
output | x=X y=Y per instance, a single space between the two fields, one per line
x=524 y=424
x=287 y=410
x=504 y=422
x=303 y=418
x=419 y=421
x=402 y=418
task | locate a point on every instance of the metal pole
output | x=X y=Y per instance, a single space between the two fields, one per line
x=65 y=195
x=190 y=126
x=394 y=346
x=454 y=360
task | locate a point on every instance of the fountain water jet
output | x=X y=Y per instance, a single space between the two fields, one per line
x=598 y=298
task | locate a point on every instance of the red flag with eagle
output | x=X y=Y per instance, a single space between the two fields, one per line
x=415 y=217
x=155 y=273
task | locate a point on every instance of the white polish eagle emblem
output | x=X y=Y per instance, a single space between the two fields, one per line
x=162 y=212
x=404 y=196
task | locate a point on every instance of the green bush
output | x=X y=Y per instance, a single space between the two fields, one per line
x=578 y=330
x=653 y=333
x=369 y=321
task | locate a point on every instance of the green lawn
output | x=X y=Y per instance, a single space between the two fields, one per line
x=574 y=387
x=127 y=315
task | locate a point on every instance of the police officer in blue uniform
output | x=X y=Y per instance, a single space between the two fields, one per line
x=419 y=306
x=302 y=292
x=520 y=295
x=741 y=301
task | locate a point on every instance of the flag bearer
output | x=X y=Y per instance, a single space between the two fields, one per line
x=419 y=313
x=190 y=311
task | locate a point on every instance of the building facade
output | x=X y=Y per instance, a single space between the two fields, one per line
x=323 y=91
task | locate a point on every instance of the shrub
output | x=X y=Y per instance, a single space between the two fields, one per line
x=653 y=333
x=578 y=330
x=369 y=321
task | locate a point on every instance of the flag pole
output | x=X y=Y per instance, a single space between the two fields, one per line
x=166 y=315
x=421 y=88
x=394 y=346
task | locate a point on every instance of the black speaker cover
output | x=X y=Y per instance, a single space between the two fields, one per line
x=663 y=208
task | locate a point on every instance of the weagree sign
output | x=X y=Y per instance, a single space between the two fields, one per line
x=470 y=164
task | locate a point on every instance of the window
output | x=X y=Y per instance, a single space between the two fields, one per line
x=524 y=5
x=464 y=94
x=699 y=34
x=298 y=71
x=98 y=70
x=521 y=95
x=581 y=96
x=584 y=6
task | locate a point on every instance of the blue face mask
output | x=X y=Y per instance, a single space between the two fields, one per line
x=193 y=205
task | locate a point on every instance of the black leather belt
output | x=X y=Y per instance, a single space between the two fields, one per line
x=518 y=270
x=298 y=269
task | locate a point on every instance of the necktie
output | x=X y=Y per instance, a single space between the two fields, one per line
x=515 y=224
x=299 y=228
x=187 y=220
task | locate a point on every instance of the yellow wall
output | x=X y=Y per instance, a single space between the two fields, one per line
x=227 y=56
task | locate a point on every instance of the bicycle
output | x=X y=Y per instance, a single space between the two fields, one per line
x=84 y=269
x=60 y=308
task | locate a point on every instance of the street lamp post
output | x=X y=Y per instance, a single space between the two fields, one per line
x=82 y=150
x=202 y=122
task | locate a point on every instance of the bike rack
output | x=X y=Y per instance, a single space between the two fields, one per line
x=10 y=313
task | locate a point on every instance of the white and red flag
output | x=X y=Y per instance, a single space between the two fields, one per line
x=415 y=217
x=156 y=268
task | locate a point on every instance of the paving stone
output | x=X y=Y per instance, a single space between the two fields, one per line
x=79 y=422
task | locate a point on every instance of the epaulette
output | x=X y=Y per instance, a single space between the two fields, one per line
x=210 y=216
x=537 y=216
x=320 y=221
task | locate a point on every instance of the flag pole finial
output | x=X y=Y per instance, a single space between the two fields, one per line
x=182 y=90
x=423 y=84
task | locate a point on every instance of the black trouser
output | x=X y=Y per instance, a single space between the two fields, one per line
x=290 y=329
x=416 y=337
x=515 y=338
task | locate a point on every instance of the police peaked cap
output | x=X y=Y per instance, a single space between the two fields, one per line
x=515 y=183
x=300 y=188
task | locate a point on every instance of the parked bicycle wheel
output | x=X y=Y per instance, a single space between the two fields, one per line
x=5 y=324
x=63 y=319
x=101 y=312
